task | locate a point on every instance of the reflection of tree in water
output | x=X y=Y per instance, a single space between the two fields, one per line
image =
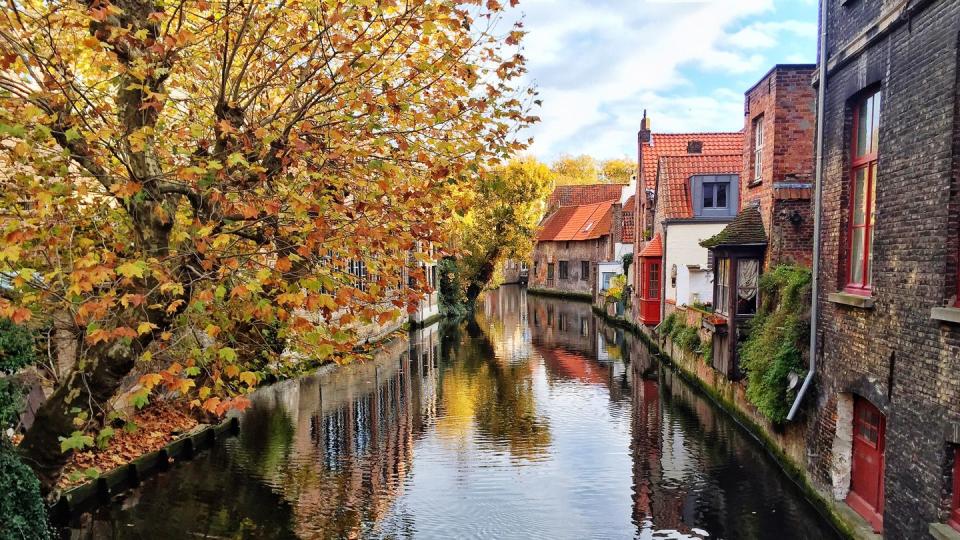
x=495 y=397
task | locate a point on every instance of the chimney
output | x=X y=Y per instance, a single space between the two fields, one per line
x=643 y=136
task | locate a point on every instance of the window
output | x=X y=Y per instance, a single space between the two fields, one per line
x=758 y=149
x=584 y=270
x=748 y=272
x=722 y=301
x=653 y=281
x=549 y=271
x=564 y=271
x=714 y=195
x=954 y=518
x=863 y=189
x=607 y=276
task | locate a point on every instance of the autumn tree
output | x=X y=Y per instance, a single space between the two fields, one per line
x=191 y=184
x=617 y=170
x=502 y=221
x=574 y=170
x=577 y=170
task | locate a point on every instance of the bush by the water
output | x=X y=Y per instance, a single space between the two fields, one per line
x=778 y=340
x=22 y=513
x=17 y=347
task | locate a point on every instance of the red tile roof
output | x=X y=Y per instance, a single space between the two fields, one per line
x=675 y=144
x=584 y=194
x=675 y=172
x=654 y=248
x=584 y=222
x=628 y=231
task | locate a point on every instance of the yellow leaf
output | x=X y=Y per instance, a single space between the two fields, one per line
x=132 y=269
x=248 y=377
x=145 y=328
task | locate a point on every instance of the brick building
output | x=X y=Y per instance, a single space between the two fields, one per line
x=650 y=148
x=695 y=196
x=775 y=223
x=571 y=242
x=885 y=435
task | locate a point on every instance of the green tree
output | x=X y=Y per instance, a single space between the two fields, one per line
x=575 y=170
x=617 y=171
x=502 y=220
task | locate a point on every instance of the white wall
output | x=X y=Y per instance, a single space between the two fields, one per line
x=683 y=249
x=615 y=267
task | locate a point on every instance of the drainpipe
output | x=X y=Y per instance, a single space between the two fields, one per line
x=817 y=196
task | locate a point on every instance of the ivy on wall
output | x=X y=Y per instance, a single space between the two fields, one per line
x=777 y=343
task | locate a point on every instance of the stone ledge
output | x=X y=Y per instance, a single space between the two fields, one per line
x=947 y=314
x=853 y=300
x=942 y=531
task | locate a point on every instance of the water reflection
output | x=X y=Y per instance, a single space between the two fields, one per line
x=536 y=419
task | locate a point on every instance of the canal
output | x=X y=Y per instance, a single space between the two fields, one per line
x=536 y=420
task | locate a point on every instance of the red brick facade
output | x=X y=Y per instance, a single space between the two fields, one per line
x=782 y=105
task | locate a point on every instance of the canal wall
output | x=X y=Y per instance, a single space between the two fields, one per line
x=786 y=444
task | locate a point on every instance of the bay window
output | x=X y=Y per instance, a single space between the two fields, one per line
x=863 y=191
x=653 y=281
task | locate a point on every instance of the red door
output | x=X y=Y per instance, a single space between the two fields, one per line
x=866 y=482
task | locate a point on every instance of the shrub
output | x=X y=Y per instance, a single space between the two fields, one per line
x=706 y=350
x=666 y=327
x=11 y=403
x=17 y=347
x=777 y=343
x=22 y=512
x=688 y=339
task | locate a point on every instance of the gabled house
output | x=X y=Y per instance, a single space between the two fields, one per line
x=696 y=196
x=582 y=232
x=650 y=148
x=571 y=242
x=775 y=224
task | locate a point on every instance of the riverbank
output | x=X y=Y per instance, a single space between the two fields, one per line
x=169 y=435
x=782 y=443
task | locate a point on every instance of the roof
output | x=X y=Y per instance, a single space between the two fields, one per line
x=628 y=230
x=675 y=173
x=584 y=222
x=654 y=248
x=675 y=144
x=584 y=194
x=745 y=230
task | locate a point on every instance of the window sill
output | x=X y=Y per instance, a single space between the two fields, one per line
x=852 y=300
x=946 y=314
x=754 y=183
x=942 y=531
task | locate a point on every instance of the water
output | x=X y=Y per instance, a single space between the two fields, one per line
x=536 y=421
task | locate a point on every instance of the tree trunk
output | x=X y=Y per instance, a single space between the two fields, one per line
x=483 y=276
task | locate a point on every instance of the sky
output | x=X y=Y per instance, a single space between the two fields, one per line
x=599 y=63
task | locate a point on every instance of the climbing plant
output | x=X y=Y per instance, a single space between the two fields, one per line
x=778 y=339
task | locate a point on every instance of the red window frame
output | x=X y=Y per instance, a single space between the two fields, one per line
x=866 y=162
x=954 y=518
x=653 y=281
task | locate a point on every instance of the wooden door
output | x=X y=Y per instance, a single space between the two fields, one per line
x=866 y=479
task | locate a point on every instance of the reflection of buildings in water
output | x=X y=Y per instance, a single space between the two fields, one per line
x=658 y=502
x=504 y=319
x=424 y=361
x=351 y=445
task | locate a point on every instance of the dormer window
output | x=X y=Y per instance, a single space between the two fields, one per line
x=714 y=195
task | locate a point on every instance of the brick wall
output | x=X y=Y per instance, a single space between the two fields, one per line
x=894 y=354
x=593 y=251
x=783 y=102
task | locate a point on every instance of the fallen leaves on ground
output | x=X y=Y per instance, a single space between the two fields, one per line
x=157 y=425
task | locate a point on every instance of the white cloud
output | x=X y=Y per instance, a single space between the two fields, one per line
x=599 y=63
